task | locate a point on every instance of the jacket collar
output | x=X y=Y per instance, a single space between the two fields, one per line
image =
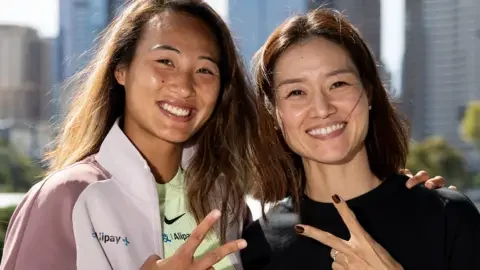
x=124 y=162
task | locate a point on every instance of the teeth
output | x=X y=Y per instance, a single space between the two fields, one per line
x=327 y=130
x=176 y=110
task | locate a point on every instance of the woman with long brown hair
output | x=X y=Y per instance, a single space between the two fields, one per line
x=349 y=204
x=166 y=75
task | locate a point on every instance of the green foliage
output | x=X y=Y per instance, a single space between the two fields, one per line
x=17 y=172
x=437 y=157
x=476 y=181
x=471 y=124
x=5 y=215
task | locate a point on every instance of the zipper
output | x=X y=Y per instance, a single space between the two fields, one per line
x=157 y=238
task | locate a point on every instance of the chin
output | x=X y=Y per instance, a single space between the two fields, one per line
x=331 y=159
x=175 y=140
x=329 y=155
x=336 y=157
x=175 y=137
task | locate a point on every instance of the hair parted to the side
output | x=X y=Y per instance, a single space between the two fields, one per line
x=232 y=148
x=387 y=137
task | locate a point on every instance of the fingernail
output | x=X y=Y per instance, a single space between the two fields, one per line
x=299 y=229
x=216 y=213
x=242 y=244
x=335 y=198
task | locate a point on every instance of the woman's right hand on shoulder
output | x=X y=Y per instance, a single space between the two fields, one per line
x=183 y=259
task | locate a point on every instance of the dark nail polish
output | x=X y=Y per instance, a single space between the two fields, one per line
x=299 y=229
x=336 y=199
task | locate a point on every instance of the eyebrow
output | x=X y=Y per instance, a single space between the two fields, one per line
x=171 y=48
x=329 y=74
x=341 y=71
x=164 y=47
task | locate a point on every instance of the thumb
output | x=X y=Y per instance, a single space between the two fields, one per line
x=150 y=263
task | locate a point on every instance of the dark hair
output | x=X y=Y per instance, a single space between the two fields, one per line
x=387 y=138
x=232 y=148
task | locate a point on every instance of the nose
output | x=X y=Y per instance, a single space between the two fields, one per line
x=321 y=105
x=185 y=85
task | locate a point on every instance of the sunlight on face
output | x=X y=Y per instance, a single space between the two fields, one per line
x=173 y=82
x=320 y=101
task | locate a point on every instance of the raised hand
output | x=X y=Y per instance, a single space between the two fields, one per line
x=360 y=252
x=423 y=177
x=184 y=259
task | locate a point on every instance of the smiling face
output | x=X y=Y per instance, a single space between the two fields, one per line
x=320 y=101
x=173 y=82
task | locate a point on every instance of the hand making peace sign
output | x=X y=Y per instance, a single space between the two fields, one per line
x=360 y=252
x=183 y=259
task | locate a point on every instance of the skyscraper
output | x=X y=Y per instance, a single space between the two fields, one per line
x=364 y=14
x=252 y=21
x=477 y=49
x=440 y=70
x=81 y=21
x=114 y=7
x=25 y=81
x=414 y=69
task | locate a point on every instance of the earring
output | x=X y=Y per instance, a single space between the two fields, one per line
x=370 y=107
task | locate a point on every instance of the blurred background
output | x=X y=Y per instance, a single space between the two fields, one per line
x=428 y=52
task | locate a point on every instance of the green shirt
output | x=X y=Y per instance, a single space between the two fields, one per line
x=178 y=223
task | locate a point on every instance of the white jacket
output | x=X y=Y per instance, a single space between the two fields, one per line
x=100 y=213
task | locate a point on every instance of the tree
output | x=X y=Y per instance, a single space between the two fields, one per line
x=437 y=157
x=5 y=215
x=476 y=180
x=471 y=124
x=17 y=171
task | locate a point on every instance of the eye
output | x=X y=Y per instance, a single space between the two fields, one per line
x=205 y=71
x=295 y=93
x=165 y=62
x=339 y=84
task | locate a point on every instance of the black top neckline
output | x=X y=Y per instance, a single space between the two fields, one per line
x=379 y=194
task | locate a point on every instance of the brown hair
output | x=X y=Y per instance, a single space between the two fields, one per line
x=387 y=137
x=232 y=148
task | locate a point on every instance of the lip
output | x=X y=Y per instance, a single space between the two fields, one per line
x=330 y=135
x=177 y=104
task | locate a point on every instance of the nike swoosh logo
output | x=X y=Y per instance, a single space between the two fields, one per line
x=171 y=221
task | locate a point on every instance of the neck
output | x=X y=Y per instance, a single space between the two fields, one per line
x=163 y=157
x=348 y=180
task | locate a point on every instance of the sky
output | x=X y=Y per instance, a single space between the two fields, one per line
x=43 y=16
x=39 y=14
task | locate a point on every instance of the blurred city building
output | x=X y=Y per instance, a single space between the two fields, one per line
x=81 y=21
x=25 y=79
x=33 y=70
x=440 y=74
x=252 y=21
x=441 y=68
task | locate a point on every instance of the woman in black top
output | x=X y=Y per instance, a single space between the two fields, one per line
x=320 y=80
